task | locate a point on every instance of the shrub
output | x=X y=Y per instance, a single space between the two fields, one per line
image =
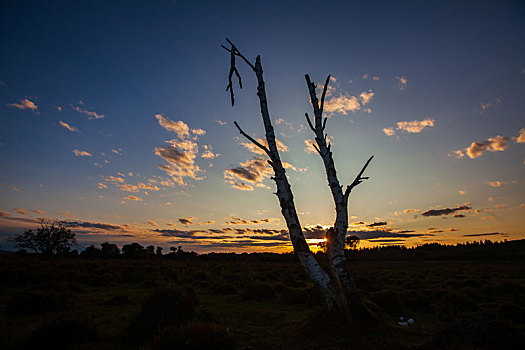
x=64 y=333
x=258 y=292
x=195 y=336
x=31 y=303
x=476 y=331
x=163 y=308
x=292 y=296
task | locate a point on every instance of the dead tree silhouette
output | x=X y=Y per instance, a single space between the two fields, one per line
x=337 y=285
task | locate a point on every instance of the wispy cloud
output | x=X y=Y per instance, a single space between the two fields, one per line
x=21 y=211
x=256 y=150
x=486 y=105
x=67 y=126
x=4 y=214
x=91 y=114
x=24 y=103
x=208 y=152
x=134 y=198
x=496 y=183
x=521 y=137
x=220 y=122
x=402 y=83
x=186 y=220
x=81 y=153
x=476 y=149
x=413 y=126
x=445 y=211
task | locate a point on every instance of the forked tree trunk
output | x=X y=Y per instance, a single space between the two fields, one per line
x=337 y=286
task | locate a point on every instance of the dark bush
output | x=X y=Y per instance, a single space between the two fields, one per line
x=258 y=292
x=477 y=331
x=387 y=300
x=292 y=296
x=195 y=336
x=64 y=333
x=32 y=303
x=416 y=301
x=225 y=289
x=163 y=308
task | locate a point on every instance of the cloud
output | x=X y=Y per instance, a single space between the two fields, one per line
x=486 y=105
x=387 y=233
x=389 y=131
x=220 y=122
x=21 y=211
x=181 y=158
x=485 y=234
x=38 y=211
x=180 y=128
x=117 y=151
x=444 y=211
x=366 y=97
x=496 y=183
x=253 y=171
x=375 y=224
x=81 y=153
x=87 y=224
x=186 y=220
x=181 y=152
x=410 y=211
x=16 y=189
x=462 y=192
x=413 y=126
x=148 y=187
x=310 y=148
x=91 y=114
x=67 y=126
x=4 y=214
x=476 y=149
x=402 y=83
x=208 y=152
x=24 y=104
x=240 y=221
x=134 y=198
x=521 y=137
x=254 y=149
x=152 y=223
x=342 y=104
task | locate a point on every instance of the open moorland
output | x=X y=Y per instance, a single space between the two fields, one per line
x=460 y=297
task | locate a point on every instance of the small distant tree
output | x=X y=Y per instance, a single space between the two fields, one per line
x=159 y=251
x=133 y=250
x=91 y=252
x=109 y=249
x=351 y=242
x=53 y=236
x=150 y=249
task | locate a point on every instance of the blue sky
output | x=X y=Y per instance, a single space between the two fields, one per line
x=90 y=93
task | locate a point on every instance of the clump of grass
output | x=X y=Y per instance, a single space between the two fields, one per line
x=225 y=289
x=388 y=300
x=294 y=296
x=163 y=308
x=64 y=333
x=258 y=292
x=195 y=336
x=32 y=303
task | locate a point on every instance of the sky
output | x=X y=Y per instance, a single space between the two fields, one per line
x=115 y=117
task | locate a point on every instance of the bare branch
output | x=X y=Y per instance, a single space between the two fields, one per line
x=238 y=53
x=323 y=96
x=255 y=142
x=309 y=122
x=359 y=178
x=324 y=123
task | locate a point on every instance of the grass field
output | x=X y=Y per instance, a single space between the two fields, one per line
x=247 y=302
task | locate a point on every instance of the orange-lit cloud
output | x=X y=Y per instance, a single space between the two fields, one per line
x=253 y=171
x=81 y=153
x=476 y=149
x=24 y=104
x=67 y=126
x=134 y=198
x=521 y=137
x=402 y=83
x=180 y=128
x=21 y=211
x=412 y=126
x=91 y=114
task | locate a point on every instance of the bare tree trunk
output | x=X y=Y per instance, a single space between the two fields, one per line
x=337 y=287
x=335 y=237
